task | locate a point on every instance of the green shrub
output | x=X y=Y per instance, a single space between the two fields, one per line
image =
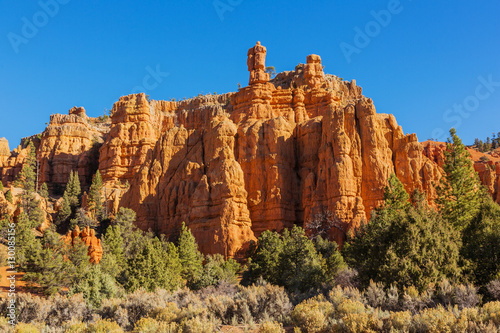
x=271 y=327
x=491 y=312
x=311 y=316
x=8 y=196
x=150 y=325
x=221 y=306
x=493 y=288
x=349 y=307
x=263 y=302
x=74 y=327
x=104 y=326
x=168 y=314
x=399 y=321
x=200 y=324
x=338 y=294
x=404 y=245
x=361 y=322
x=434 y=320
x=27 y=328
x=375 y=295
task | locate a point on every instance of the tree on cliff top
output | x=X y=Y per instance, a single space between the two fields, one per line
x=460 y=192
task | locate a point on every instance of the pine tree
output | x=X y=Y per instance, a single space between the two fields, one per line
x=404 y=247
x=395 y=196
x=27 y=176
x=480 y=146
x=44 y=191
x=487 y=145
x=71 y=199
x=25 y=238
x=481 y=244
x=460 y=192
x=153 y=267
x=293 y=260
x=191 y=259
x=8 y=196
x=95 y=286
x=1 y=186
x=95 y=196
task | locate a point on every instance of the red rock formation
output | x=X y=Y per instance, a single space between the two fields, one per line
x=269 y=156
x=279 y=153
x=11 y=163
x=487 y=165
x=87 y=236
x=70 y=143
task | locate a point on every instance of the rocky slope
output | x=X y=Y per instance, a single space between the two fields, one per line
x=272 y=154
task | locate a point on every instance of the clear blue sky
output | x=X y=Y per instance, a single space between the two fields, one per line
x=431 y=56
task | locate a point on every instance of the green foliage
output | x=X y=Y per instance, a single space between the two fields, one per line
x=44 y=191
x=460 y=191
x=264 y=262
x=395 y=196
x=271 y=71
x=1 y=186
x=95 y=286
x=312 y=315
x=113 y=260
x=26 y=178
x=404 y=247
x=215 y=270
x=293 y=261
x=35 y=213
x=301 y=266
x=53 y=264
x=25 y=238
x=481 y=244
x=71 y=198
x=104 y=326
x=95 y=204
x=330 y=251
x=46 y=267
x=191 y=259
x=8 y=196
x=153 y=267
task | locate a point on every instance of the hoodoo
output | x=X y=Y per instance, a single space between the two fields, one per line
x=273 y=154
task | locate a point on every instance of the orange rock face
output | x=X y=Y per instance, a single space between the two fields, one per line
x=487 y=165
x=11 y=163
x=231 y=166
x=271 y=155
x=87 y=236
x=70 y=143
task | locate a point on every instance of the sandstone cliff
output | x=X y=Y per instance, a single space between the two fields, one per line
x=271 y=155
x=70 y=143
